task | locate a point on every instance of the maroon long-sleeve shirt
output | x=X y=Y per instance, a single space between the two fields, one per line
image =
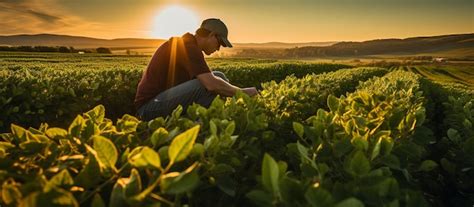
x=176 y=61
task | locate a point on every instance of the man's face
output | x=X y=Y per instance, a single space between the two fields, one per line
x=212 y=44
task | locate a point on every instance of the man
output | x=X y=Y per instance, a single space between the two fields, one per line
x=179 y=75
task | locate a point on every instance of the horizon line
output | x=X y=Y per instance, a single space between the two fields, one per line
x=276 y=42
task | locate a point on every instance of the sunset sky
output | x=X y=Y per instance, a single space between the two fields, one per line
x=247 y=20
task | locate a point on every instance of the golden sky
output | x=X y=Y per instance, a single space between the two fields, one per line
x=247 y=20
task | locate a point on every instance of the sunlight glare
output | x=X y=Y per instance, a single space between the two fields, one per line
x=173 y=21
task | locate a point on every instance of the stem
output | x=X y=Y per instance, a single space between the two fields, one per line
x=164 y=200
x=151 y=187
x=104 y=184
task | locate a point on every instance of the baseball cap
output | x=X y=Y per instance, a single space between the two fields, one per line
x=218 y=27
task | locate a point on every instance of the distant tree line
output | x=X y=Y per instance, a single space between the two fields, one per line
x=61 y=49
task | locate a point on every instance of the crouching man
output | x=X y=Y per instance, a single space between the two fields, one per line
x=179 y=75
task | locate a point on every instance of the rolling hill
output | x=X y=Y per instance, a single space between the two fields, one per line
x=76 y=41
x=88 y=42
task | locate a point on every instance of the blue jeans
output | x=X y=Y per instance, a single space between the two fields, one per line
x=184 y=94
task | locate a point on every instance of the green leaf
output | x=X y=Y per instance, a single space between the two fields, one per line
x=32 y=147
x=211 y=143
x=227 y=184
x=283 y=167
x=6 y=145
x=213 y=127
x=365 y=97
x=397 y=116
x=333 y=103
x=221 y=169
x=359 y=164
x=10 y=192
x=428 y=165
x=127 y=124
x=342 y=147
x=63 y=179
x=229 y=130
x=468 y=146
x=176 y=183
x=350 y=202
x=303 y=151
x=56 y=197
x=97 y=114
x=143 y=157
x=291 y=190
x=19 y=132
x=268 y=136
x=453 y=135
x=177 y=112
x=360 y=143
x=270 y=174
x=410 y=121
x=124 y=156
x=391 y=161
x=56 y=133
x=318 y=197
x=71 y=92
x=159 y=136
x=360 y=122
x=467 y=124
x=89 y=176
x=97 y=201
x=89 y=129
x=76 y=126
x=299 y=129
x=163 y=153
x=156 y=123
x=260 y=197
x=409 y=151
x=106 y=152
x=386 y=145
x=376 y=149
x=117 y=198
x=182 y=144
x=198 y=150
x=134 y=185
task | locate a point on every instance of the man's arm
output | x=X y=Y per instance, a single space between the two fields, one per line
x=217 y=85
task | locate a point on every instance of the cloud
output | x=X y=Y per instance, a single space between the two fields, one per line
x=40 y=16
x=43 y=16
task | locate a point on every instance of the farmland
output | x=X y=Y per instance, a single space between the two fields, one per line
x=319 y=134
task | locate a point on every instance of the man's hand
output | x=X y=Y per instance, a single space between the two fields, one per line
x=251 y=91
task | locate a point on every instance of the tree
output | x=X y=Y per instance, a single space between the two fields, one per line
x=103 y=50
x=64 y=49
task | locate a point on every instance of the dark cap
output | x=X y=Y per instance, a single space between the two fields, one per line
x=218 y=27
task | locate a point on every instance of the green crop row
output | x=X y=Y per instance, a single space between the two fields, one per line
x=362 y=151
x=32 y=96
x=299 y=98
x=247 y=75
x=451 y=115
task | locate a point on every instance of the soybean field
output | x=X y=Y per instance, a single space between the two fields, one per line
x=318 y=134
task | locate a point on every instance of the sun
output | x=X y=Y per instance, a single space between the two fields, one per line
x=174 y=20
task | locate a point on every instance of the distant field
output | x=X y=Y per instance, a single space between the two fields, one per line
x=445 y=73
x=456 y=72
x=17 y=60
